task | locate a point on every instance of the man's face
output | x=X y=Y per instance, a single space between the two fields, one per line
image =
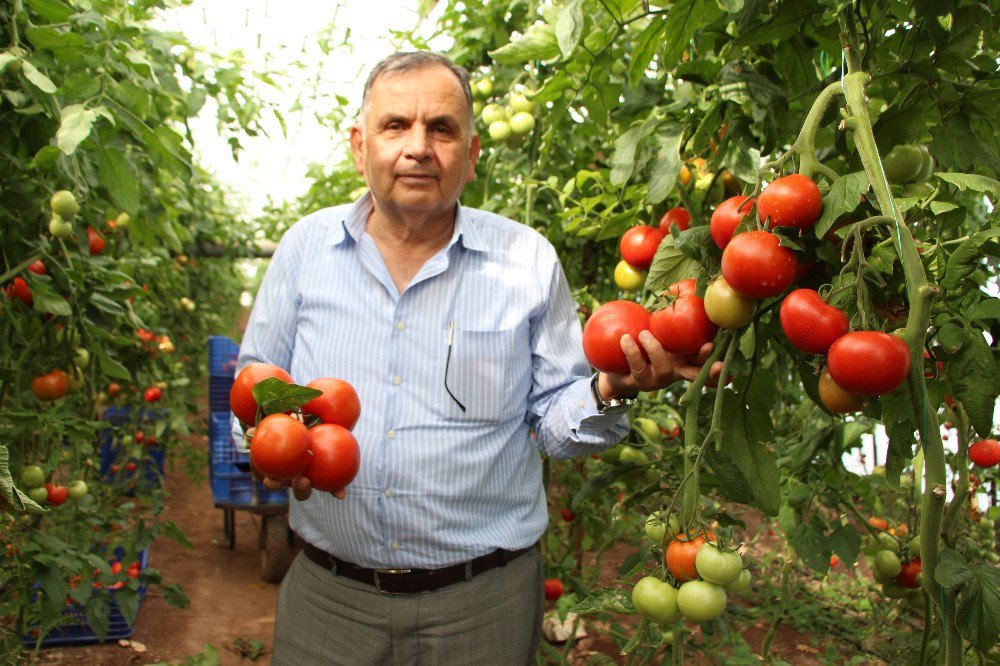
x=415 y=149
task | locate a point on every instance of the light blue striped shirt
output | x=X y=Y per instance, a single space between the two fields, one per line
x=436 y=485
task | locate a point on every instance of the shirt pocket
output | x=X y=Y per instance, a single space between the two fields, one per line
x=489 y=373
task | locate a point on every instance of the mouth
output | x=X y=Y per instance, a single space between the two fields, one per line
x=416 y=177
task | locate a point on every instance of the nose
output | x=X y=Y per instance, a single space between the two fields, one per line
x=417 y=142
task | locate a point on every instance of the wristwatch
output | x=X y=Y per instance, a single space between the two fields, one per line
x=612 y=406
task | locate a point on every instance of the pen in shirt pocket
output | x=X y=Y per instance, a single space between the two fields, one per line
x=447 y=363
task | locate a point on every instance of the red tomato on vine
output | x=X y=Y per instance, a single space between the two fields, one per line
x=755 y=265
x=791 y=201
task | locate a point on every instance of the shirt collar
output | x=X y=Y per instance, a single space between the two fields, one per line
x=355 y=219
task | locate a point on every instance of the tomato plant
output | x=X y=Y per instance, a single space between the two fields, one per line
x=657 y=600
x=718 y=566
x=835 y=398
x=727 y=216
x=553 y=588
x=701 y=601
x=681 y=556
x=678 y=216
x=726 y=307
x=985 y=452
x=50 y=386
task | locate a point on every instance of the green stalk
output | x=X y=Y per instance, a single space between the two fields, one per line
x=805 y=143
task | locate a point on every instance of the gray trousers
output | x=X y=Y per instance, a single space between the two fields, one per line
x=495 y=618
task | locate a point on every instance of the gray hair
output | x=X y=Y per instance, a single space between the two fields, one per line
x=408 y=61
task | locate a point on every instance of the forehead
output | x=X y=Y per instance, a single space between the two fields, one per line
x=431 y=86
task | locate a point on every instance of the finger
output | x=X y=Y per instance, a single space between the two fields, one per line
x=340 y=494
x=637 y=361
x=272 y=484
x=301 y=494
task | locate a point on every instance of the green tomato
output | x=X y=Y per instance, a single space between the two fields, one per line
x=78 y=489
x=81 y=356
x=926 y=164
x=632 y=455
x=888 y=542
x=658 y=525
x=727 y=307
x=484 y=87
x=75 y=379
x=611 y=455
x=647 y=427
x=32 y=476
x=522 y=122
x=477 y=108
x=920 y=190
x=668 y=638
x=628 y=277
x=701 y=601
x=718 y=566
x=915 y=599
x=886 y=566
x=741 y=584
x=38 y=495
x=122 y=220
x=64 y=204
x=492 y=113
x=903 y=163
x=656 y=600
x=59 y=227
x=499 y=130
x=521 y=104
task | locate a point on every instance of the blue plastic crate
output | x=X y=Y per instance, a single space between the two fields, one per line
x=219 y=424
x=218 y=394
x=232 y=481
x=76 y=631
x=222 y=353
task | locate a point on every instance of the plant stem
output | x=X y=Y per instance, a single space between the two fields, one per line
x=805 y=143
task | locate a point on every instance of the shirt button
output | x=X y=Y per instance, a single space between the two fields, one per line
x=388 y=493
x=395 y=545
x=400 y=326
x=581 y=404
x=391 y=434
x=397 y=381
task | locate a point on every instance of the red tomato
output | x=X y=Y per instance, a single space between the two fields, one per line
x=908 y=576
x=144 y=335
x=638 y=246
x=116 y=567
x=727 y=216
x=52 y=386
x=57 y=494
x=140 y=437
x=756 y=266
x=834 y=561
x=339 y=403
x=678 y=216
x=37 y=267
x=985 y=452
x=130 y=466
x=567 y=515
x=791 y=201
x=869 y=362
x=241 y=395
x=335 y=460
x=683 y=327
x=604 y=330
x=152 y=394
x=95 y=241
x=809 y=323
x=18 y=288
x=280 y=448
x=681 y=555
x=113 y=390
x=553 y=588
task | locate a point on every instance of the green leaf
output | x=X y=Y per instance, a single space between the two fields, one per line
x=731 y=6
x=810 y=545
x=174 y=595
x=539 y=42
x=667 y=165
x=623 y=160
x=978 y=612
x=966 y=257
x=846 y=543
x=74 y=126
x=787 y=21
x=53 y=11
x=957 y=142
x=569 y=26
x=606 y=599
x=275 y=396
x=684 y=19
x=844 y=196
x=975 y=377
x=732 y=484
x=47 y=300
x=41 y=81
x=117 y=177
x=98 y=614
x=670 y=264
x=897 y=416
x=970 y=181
x=111 y=367
x=985 y=310
x=748 y=439
x=54 y=40
x=171 y=530
x=9 y=491
x=952 y=570
x=644 y=48
x=105 y=304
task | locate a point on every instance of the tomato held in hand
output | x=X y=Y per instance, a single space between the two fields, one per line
x=727 y=216
x=985 y=452
x=809 y=323
x=241 y=399
x=869 y=362
x=339 y=403
x=553 y=588
x=280 y=447
x=638 y=246
x=755 y=265
x=682 y=554
x=791 y=201
x=682 y=327
x=52 y=386
x=836 y=399
x=603 y=332
x=678 y=216
x=335 y=460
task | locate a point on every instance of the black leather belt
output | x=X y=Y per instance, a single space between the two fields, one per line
x=409 y=581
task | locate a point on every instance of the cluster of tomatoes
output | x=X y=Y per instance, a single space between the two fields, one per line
x=115 y=567
x=704 y=570
x=897 y=567
x=283 y=447
x=507 y=120
x=41 y=491
x=638 y=246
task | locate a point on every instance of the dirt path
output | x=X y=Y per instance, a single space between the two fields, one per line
x=229 y=601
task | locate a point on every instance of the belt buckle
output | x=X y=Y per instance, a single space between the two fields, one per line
x=378 y=583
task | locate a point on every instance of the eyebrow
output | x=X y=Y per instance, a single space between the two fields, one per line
x=447 y=119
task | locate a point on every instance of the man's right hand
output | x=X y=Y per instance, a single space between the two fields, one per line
x=300 y=485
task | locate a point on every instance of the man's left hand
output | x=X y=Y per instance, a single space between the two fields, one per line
x=660 y=371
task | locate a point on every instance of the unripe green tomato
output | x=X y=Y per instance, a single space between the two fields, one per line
x=520 y=103
x=492 y=113
x=741 y=584
x=59 y=227
x=78 y=489
x=32 y=476
x=886 y=566
x=81 y=356
x=122 y=220
x=485 y=87
x=522 y=122
x=628 y=277
x=926 y=164
x=920 y=190
x=656 y=600
x=647 y=427
x=718 y=566
x=632 y=455
x=477 y=107
x=902 y=164
x=701 y=601
x=611 y=455
x=726 y=307
x=659 y=525
x=992 y=557
x=64 y=204
x=76 y=380
x=888 y=542
x=915 y=600
x=38 y=495
x=499 y=130
x=668 y=638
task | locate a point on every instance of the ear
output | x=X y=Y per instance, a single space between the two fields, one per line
x=474 y=149
x=357 y=148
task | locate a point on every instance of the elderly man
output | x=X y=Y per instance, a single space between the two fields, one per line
x=457 y=329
